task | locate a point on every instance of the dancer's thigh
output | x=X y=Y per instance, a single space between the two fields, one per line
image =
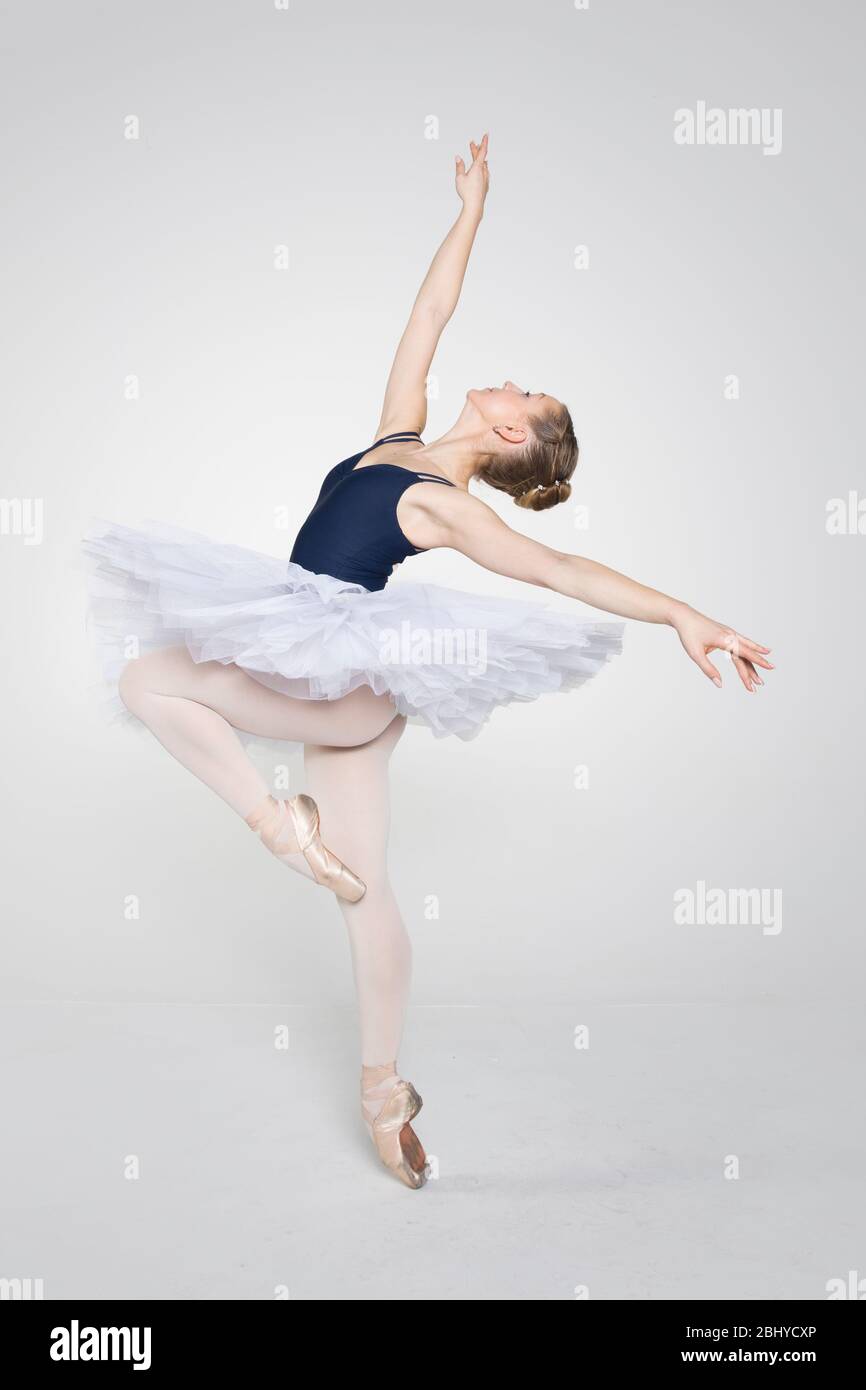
x=252 y=707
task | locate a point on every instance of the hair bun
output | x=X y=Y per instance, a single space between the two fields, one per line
x=539 y=498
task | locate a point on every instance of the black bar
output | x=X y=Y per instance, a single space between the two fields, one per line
x=216 y=1337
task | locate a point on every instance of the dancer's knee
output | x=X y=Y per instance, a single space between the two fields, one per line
x=133 y=683
x=151 y=674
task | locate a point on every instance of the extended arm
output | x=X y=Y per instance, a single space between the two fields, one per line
x=405 y=405
x=451 y=517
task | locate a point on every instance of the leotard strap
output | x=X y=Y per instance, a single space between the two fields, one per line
x=406 y=435
x=391 y=438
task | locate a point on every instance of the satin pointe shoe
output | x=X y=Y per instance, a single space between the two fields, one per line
x=291 y=828
x=388 y=1106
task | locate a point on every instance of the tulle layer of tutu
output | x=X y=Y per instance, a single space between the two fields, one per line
x=446 y=658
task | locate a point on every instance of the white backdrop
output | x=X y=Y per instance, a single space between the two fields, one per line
x=154 y=258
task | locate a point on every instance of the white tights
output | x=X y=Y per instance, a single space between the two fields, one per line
x=194 y=709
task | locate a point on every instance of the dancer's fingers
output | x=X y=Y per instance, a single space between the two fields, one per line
x=743 y=672
x=738 y=645
x=750 y=651
x=755 y=677
x=700 y=658
x=750 y=643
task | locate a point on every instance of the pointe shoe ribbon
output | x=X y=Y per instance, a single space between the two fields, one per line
x=292 y=827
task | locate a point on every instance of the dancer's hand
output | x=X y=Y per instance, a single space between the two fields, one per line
x=472 y=183
x=700 y=636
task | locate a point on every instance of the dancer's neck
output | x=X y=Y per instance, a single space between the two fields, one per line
x=455 y=455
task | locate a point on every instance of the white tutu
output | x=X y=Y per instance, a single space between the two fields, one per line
x=446 y=658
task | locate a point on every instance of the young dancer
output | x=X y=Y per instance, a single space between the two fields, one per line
x=326 y=652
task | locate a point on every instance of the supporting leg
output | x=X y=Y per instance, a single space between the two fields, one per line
x=350 y=786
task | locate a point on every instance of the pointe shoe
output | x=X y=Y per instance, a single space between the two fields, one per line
x=289 y=828
x=397 y=1144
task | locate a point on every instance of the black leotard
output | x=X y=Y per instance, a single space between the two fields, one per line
x=352 y=531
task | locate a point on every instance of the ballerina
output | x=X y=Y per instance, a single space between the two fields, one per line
x=234 y=643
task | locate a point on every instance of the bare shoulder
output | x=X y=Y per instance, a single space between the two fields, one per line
x=432 y=514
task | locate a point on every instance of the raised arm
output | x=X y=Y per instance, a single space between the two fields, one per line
x=451 y=517
x=405 y=404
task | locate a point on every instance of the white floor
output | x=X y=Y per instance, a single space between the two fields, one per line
x=558 y=1167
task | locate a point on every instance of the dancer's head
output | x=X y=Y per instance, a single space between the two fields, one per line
x=528 y=448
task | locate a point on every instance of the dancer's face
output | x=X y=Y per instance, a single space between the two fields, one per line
x=507 y=408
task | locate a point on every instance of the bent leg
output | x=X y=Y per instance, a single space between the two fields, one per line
x=193 y=709
x=350 y=786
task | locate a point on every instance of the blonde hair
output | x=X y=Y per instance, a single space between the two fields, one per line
x=538 y=476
